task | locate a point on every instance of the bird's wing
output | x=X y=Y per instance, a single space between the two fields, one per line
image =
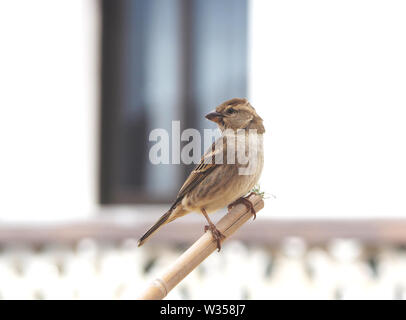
x=206 y=165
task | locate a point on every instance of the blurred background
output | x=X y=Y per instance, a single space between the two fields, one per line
x=83 y=82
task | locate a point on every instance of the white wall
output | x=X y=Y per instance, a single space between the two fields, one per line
x=329 y=78
x=48 y=99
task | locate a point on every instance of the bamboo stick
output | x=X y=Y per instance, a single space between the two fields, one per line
x=200 y=250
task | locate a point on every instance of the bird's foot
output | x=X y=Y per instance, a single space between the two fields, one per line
x=217 y=235
x=246 y=202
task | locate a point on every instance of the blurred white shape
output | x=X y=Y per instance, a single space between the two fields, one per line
x=345 y=250
x=258 y=268
x=293 y=247
x=9 y=279
x=392 y=274
x=82 y=272
x=289 y=278
x=42 y=277
x=351 y=273
x=131 y=271
x=13 y=264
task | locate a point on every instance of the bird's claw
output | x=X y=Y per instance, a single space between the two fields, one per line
x=217 y=235
x=246 y=202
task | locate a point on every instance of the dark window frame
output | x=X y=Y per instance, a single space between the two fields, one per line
x=117 y=21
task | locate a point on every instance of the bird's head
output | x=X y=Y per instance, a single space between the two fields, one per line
x=236 y=114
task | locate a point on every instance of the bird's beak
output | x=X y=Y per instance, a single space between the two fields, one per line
x=214 y=116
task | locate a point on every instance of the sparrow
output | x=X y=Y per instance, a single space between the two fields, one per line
x=224 y=174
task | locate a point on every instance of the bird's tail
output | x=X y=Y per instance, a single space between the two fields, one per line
x=162 y=220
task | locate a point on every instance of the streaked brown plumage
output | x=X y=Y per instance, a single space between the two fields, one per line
x=212 y=185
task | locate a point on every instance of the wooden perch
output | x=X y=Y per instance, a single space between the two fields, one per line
x=200 y=250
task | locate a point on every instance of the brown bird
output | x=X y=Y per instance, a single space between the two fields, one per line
x=226 y=172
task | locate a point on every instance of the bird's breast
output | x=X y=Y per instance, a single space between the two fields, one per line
x=228 y=182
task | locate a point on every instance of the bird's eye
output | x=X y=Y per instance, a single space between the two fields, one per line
x=231 y=111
